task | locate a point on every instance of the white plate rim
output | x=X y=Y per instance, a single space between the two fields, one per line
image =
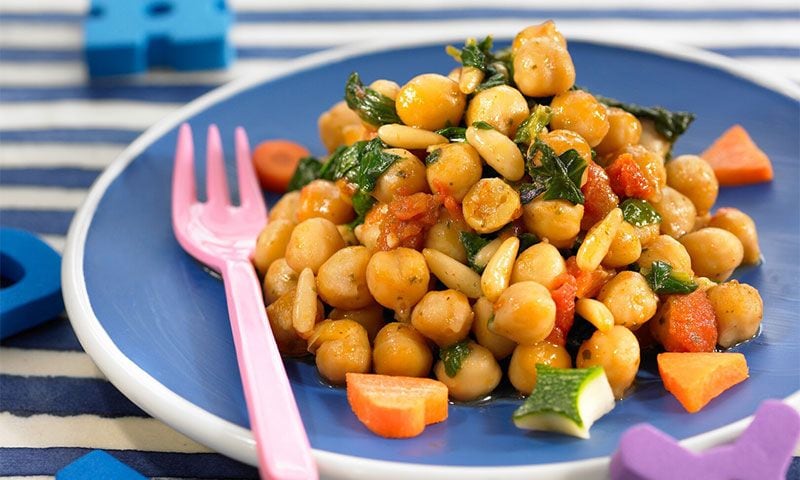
x=237 y=442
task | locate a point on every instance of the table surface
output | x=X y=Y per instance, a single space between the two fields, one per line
x=58 y=132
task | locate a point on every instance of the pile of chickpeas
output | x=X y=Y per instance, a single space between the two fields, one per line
x=366 y=300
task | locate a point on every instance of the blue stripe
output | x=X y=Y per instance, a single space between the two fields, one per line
x=37 y=221
x=47 y=461
x=149 y=93
x=63 y=397
x=36 y=55
x=49 y=177
x=462 y=13
x=66 y=135
x=56 y=334
x=758 y=51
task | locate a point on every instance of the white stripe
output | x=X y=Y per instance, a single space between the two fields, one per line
x=55 y=155
x=81 y=114
x=704 y=33
x=33 y=477
x=785 y=67
x=47 y=363
x=90 y=431
x=80 y=6
x=57 y=242
x=42 y=198
x=61 y=74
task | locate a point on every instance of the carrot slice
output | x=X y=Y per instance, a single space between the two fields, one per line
x=275 y=162
x=696 y=378
x=687 y=324
x=737 y=160
x=396 y=407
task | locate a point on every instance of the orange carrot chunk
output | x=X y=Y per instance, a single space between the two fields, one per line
x=696 y=378
x=275 y=162
x=687 y=324
x=737 y=160
x=396 y=407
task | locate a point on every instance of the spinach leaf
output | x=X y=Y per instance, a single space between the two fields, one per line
x=371 y=106
x=663 y=279
x=497 y=67
x=454 y=134
x=433 y=157
x=560 y=174
x=527 y=240
x=362 y=204
x=531 y=126
x=529 y=191
x=473 y=243
x=639 y=213
x=473 y=54
x=344 y=162
x=373 y=163
x=669 y=124
x=481 y=125
x=308 y=170
x=453 y=357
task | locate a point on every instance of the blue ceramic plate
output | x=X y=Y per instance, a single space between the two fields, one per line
x=156 y=322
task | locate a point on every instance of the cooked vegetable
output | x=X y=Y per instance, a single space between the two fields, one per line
x=669 y=124
x=686 y=323
x=454 y=134
x=396 y=407
x=478 y=376
x=737 y=160
x=697 y=378
x=564 y=298
x=566 y=400
x=617 y=351
x=738 y=309
x=371 y=106
x=453 y=356
x=522 y=368
x=530 y=128
x=662 y=279
x=639 y=213
x=275 y=162
x=557 y=176
x=307 y=170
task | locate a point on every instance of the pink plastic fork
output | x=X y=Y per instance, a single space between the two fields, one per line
x=222 y=236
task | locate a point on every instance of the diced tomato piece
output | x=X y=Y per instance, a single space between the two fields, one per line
x=600 y=198
x=687 y=324
x=588 y=283
x=408 y=219
x=627 y=179
x=564 y=298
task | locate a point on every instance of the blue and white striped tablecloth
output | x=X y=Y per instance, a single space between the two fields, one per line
x=58 y=132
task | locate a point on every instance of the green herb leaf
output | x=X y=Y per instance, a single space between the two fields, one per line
x=453 y=357
x=669 y=124
x=454 y=134
x=308 y=170
x=527 y=240
x=344 y=162
x=481 y=125
x=639 y=213
x=529 y=129
x=362 y=204
x=561 y=174
x=529 y=191
x=663 y=279
x=373 y=163
x=473 y=243
x=371 y=106
x=473 y=54
x=433 y=157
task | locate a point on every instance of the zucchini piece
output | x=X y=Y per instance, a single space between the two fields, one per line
x=566 y=400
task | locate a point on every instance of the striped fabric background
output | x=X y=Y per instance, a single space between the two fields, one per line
x=58 y=131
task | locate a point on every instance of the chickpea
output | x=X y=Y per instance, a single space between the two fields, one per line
x=286 y=207
x=702 y=221
x=312 y=242
x=652 y=167
x=557 y=221
x=348 y=237
x=478 y=376
x=739 y=310
x=667 y=249
x=535 y=32
x=652 y=140
x=490 y=204
x=715 y=252
x=279 y=314
x=332 y=125
x=629 y=298
x=502 y=107
x=617 y=351
x=543 y=67
x=625 y=248
x=386 y=88
x=580 y=112
x=398 y=279
x=562 y=140
x=271 y=244
x=342 y=279
x=677 y=213
x=341 y=347
x=624 y=129
x=406 y=176
x=647 y=233
x=322 y=198
x=280 y=278
x=444 y=236
x=401 y=350
x=522 y=369
x=740 y=224
x=541 y=263
x=369 y=317
x=445 y=317
x=430 y=102
x=457 y=168
x=694 y=178
x=525 y=313
x=500 y=346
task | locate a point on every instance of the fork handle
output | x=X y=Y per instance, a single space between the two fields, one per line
x=284 y=452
